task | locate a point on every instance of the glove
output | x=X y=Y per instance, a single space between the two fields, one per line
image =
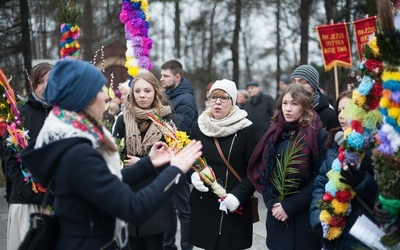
x=381 y=216
x=339 y=138
x=351 y=177
x=231 y=202
x=198 y=183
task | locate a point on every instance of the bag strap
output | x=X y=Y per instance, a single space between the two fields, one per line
x=225 y=160
x=46 y=195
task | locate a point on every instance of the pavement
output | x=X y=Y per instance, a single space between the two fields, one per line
x=259 y=232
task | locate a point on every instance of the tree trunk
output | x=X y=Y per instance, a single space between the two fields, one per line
x=87 y=30
x=211 y=41
x=26 y=39
x=235 y=41
x=330 y=9
x=305 y=10
x=278 y=44
x=177 y=32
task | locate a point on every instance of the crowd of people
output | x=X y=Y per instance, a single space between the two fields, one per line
x=245 y=135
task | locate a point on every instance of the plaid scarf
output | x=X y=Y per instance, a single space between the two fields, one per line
x=263 y=159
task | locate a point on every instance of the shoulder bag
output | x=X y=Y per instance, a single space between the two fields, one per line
x=44 y=229
x=254 y=200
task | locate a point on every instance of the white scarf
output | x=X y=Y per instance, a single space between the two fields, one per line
x=236 y=120
x=55 y=129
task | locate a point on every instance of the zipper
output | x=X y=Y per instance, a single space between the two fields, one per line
x=174 y=180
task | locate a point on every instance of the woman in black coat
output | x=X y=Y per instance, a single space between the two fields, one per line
x=288 y=226
x=211 y=228
x=93 y=199
x=140 y=133
x=26 y=196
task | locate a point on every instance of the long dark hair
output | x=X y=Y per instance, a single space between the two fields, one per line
x=37 y=72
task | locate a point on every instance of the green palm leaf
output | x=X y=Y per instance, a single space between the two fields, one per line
x=282 y=177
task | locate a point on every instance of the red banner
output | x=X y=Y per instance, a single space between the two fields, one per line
x=363 y=29
x=335 y=45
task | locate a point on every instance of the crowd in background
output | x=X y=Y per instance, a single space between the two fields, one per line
x=245 y=134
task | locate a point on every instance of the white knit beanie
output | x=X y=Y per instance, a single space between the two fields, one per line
x=227 y=86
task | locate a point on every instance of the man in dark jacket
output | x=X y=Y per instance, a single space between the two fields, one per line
x=181 y=95
x=309 y=77
x=260 y=108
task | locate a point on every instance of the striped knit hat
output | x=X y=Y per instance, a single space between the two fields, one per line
x=308 y=73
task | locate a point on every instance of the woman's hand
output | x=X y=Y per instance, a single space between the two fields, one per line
x=159 y=154
x=131 y=160
x=185 y=157
x=278 y=212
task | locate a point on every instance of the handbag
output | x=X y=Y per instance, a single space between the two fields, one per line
x=43 y=230
x=254 y=200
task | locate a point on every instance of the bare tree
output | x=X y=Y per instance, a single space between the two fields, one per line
x=25 y=39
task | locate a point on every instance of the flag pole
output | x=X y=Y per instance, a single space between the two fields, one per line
x=335 y=74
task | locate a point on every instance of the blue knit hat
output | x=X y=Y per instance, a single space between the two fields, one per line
x=73 y=84
x=308 y=73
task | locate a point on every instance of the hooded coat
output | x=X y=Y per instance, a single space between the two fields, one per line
x=88 y=197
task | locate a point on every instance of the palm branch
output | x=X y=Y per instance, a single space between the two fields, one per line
x=285 y=167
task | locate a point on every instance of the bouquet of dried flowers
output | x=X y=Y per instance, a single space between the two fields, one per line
x=172 y=135
x=18 y=136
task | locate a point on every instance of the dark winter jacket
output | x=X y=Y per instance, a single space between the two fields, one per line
x=296 y=232
x=33 y=115
x=183 y=101
x=327 y=114
x=260 y=110
x=207 y=222
x=366 y=190
x=88 y=197
x=162 y=220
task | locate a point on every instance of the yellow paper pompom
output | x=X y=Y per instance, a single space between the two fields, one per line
x=374 y=46
x=144 y=6
x=325 y=216
x=394 y=112
x=358 y=98
x=333 y=233
x=390 y=75
x=339 y=207
x=384 y=103
x=133 y=71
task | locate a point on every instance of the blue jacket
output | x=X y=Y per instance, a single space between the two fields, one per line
x=366 y=190
x=183 y=101
x=88 y=197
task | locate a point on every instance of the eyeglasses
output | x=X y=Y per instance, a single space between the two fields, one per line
x=299 y=80
x=222 y=99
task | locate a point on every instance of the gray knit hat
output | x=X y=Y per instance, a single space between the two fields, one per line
x=308 y=73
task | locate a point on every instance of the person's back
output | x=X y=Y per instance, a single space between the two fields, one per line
x=181 y=95
x=260 y=107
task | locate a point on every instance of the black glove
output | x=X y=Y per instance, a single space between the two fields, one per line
x=351 y=177
x=381 y=216
x=392 y=236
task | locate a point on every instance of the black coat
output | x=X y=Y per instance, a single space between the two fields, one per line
x=207 y=222
x=296 y=233
x=88 y=197
x=366 y=190
x=327 y=114
x=260 y=110
x=33 y=115
x=162 y=220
